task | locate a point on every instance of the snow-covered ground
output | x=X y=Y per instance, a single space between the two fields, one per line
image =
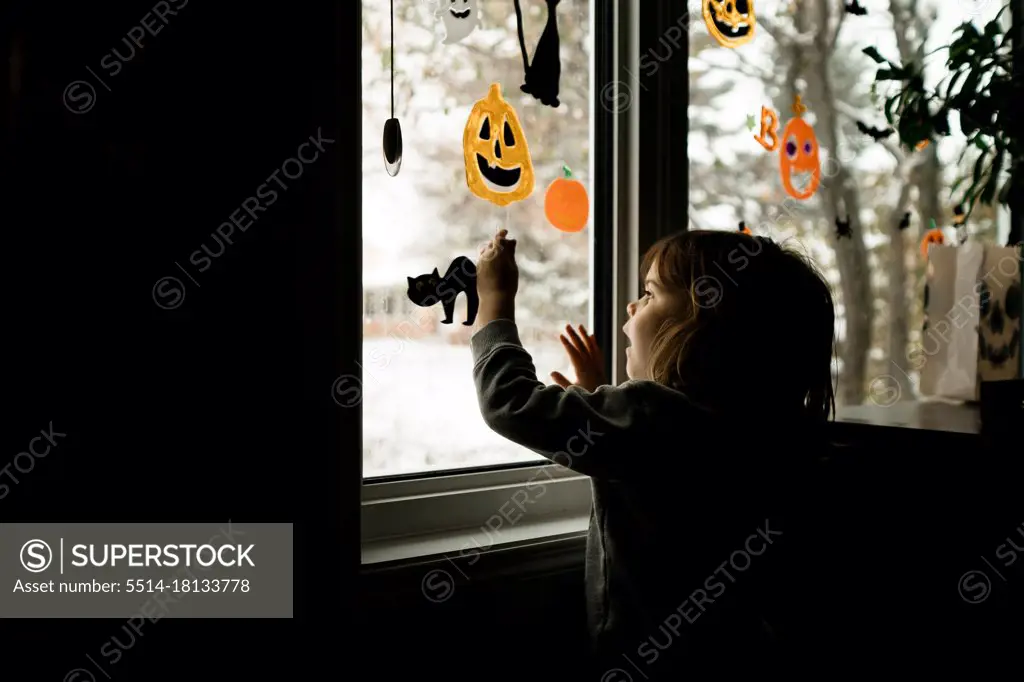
x=420 y=410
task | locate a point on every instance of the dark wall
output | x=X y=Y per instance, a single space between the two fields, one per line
x=511 y=627
x=510 y=614
x=895 y=524
x=209 y=407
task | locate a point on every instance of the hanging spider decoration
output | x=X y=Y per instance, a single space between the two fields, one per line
x=843 y=228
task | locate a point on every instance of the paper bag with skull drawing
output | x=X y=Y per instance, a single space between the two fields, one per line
x=972 y=319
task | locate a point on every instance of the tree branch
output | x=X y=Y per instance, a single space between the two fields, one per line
x=784 y=35
x=854 y=114
x=834 y=40
x=760 y=75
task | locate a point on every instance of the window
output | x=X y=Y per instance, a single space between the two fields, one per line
x=420 y=411
x=813 y=48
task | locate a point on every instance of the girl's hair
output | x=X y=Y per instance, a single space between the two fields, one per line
x=756 y=328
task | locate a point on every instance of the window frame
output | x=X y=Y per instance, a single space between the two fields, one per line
x=423 y=504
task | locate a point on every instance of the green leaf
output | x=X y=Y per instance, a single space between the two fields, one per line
x=970 y=89
x=960 y=49
x=953 y=81
x=956 y=185
x=989 y=192
x=890 y=108
x=940 y=121
x=969 y=30
x=873 y=53
x=979 y=166
x=1004 y=193
x=993 y=28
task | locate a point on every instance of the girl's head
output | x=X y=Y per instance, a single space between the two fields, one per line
x=735 y=322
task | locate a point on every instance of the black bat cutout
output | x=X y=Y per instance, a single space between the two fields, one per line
x=542 y=76
x=843 y=228
x=854 y=7
x=875 y=133
x=905 y=223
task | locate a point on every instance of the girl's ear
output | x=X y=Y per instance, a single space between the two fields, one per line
x=436 y=273
x=410 y=280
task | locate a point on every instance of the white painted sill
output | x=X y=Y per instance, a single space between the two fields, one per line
x=464 y=515
x=467 y=543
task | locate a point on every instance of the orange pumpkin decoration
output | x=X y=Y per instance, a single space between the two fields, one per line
x=799 y=155
x=731 y=22
x=744 y=229
x=566 y=203
x=933 y=236
x=498 y=164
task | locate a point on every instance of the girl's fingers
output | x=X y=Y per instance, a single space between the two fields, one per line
x=561 y=380
x=589 y=345
x=571 y=351
x=588 y=341
x=580 y=346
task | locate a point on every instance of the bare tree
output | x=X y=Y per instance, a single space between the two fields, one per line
x=812 y=48
x=921 y=169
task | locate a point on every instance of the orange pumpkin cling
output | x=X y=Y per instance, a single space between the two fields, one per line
x=933 y=236
x=799 y=155
x=566 y=203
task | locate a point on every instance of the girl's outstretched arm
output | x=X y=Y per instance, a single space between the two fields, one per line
x=591 y=433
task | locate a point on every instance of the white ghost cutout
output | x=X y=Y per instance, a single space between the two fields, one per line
x=459 y=17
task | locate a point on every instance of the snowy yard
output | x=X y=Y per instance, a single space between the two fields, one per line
x=420 y=410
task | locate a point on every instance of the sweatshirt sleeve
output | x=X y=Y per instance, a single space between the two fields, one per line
x=590 y=433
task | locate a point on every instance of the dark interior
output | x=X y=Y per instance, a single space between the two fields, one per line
x=219 y=409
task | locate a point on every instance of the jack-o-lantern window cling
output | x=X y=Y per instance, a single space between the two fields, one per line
x=730 y=22
x=799 y=164
x=498 y=164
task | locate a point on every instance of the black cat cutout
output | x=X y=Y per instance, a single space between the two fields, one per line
x=905 y=222
x=427 y=290
x=542 y=76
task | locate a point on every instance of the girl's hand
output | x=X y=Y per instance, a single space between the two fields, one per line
x=497 y=279
x=587 y=360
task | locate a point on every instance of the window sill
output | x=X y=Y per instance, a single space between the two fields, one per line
x=468 y=543
x=471 y=513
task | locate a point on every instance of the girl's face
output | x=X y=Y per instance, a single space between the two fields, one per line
x=645 y=319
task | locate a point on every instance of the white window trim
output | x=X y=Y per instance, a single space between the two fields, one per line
x=416 y=517
x=482 y=509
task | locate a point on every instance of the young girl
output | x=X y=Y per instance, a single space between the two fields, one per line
x=696 y=460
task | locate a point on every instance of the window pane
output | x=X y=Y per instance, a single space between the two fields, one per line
x=420 y=409
x=734 y=178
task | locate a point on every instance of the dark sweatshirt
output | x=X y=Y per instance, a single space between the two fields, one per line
x=685 y=544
